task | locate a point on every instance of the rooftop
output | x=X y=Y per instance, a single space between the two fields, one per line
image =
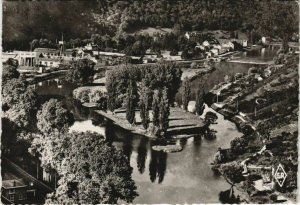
x=46 y=50
x=13 y=183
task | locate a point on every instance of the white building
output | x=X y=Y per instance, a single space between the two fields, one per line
x=48 y=62
x=24 y=58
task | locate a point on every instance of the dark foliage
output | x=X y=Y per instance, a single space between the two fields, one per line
x=81 y=72
x=200 y=101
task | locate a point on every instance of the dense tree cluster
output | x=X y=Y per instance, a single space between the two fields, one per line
x=53 y=117
x=90 y=171
x=19 y=100
x=116 y=18
x=232 y=171
x=154 y=77
x=91 y=96
x=145 y=84
x=81 y=72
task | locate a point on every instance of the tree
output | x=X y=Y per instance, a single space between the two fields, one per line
x=144 y=105
x=233 y=172
x=53 y=117
x=131 y=102
x=238 y=145
x=19 y=102
x=210 y=118
x=156 y=76
x=174 y=52
x=200 y=101
x=155 y=108
x=278 y=19
x=164 y=111
x=81 y=72
x=186 y=93
x=34 y=44
x=90 y=171
x=10 y=70
x=8 y=136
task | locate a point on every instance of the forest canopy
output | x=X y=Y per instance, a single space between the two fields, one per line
x=115 y=18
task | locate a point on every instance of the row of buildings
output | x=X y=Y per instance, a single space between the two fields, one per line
x=54 y=57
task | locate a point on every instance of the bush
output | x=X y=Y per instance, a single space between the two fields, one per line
x=233 y=171
x=238 y=145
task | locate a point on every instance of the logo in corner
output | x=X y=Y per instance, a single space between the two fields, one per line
x=280 y=175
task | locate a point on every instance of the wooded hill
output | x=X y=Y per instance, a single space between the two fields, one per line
x=26 y=20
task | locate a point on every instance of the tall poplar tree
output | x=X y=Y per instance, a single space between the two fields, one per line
x=155 y=108
x=144 y=105
x=131 y=102
x=200 y=101
x=164 y=111
x=186 y=94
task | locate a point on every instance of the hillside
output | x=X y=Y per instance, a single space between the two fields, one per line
x=26 y=20
x=266 y=110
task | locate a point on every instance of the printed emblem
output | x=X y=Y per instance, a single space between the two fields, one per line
x=280 y=175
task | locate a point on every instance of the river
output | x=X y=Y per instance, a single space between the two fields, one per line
x=183 y=177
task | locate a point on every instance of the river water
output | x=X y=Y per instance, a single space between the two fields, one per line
x=183 y=177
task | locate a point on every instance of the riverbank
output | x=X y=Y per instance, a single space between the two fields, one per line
x=36 y=78
x=269 y=123
x=180 y=122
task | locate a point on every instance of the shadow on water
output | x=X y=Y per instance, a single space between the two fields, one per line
x=157 y=166
x=142 y=154
x=127 y=146
x=197 y=140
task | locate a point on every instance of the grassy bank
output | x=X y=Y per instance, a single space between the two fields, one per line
x=181 y=122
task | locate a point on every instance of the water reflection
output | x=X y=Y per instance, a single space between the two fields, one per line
x=142 y=155
x=197 y=141
x=183 y=142
x=157 y=166
x=127 y=146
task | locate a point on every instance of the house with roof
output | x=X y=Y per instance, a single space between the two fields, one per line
x=17 y=191
x=47 y=52
x=226 y=45
x=49 y=62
